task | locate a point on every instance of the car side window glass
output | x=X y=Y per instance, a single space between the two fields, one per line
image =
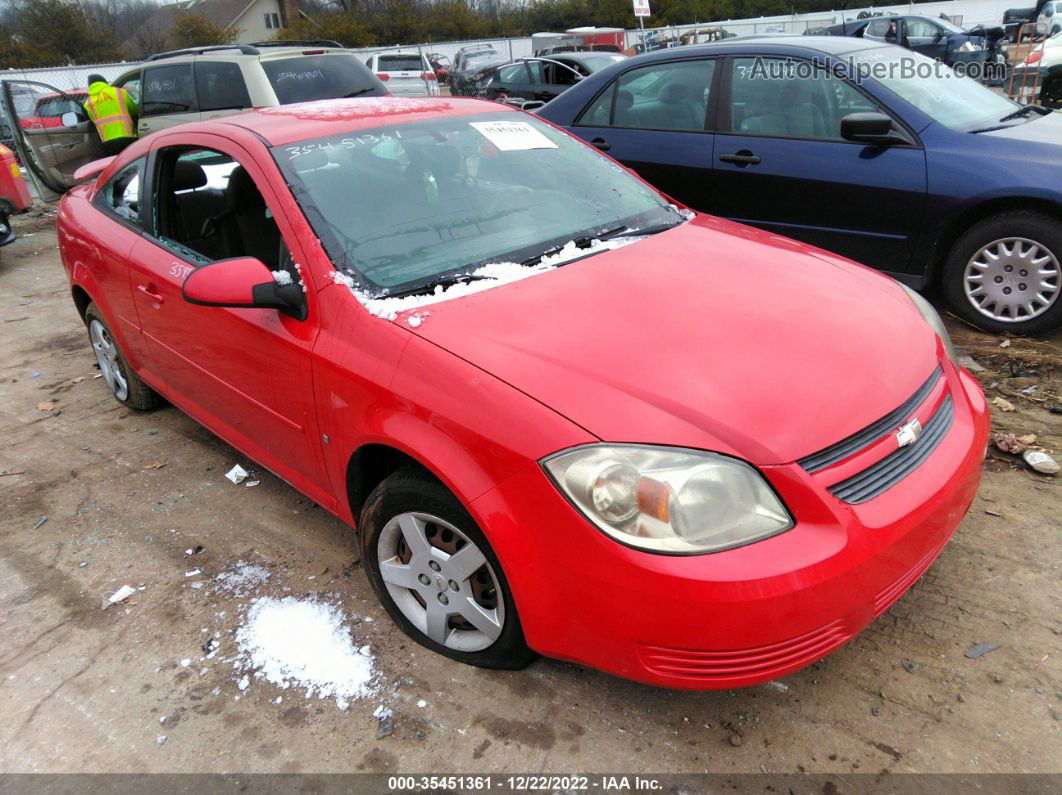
x=167 y=89
x=666 y=96
x=535 y=70
x=921 y=29
x=879 y=28
x=132 y=85
x=120 y=196
x=209 y=208
x=512 y=74
x=599 y=112
x=220 y=86
x=785 y=98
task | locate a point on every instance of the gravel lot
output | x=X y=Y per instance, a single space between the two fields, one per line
x=126 y=494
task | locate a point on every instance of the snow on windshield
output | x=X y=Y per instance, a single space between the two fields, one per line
x=493 y=274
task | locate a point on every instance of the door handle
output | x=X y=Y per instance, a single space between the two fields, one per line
x=742 y=158
x=601 y=144
x=151 y=291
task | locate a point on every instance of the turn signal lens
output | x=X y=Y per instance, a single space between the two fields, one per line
x=383 y=76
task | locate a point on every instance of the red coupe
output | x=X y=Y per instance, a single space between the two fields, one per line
x=565 y=415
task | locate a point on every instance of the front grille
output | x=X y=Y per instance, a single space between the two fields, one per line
x=857 y=441
x=890 y=470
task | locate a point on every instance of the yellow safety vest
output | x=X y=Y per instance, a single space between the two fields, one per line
x=108 y=107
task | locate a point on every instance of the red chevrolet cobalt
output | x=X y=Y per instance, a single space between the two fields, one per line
x=565 y=415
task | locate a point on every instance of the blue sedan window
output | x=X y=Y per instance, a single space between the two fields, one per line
x=783 y=97
x=665 y=96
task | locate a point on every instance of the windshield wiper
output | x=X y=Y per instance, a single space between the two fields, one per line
x=359 y=92
x=1020 y=112
x=442 y=281
x=646 y=230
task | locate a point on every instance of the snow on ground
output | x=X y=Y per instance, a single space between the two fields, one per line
x=241 y=578
x=304 y=644
x=491 y=275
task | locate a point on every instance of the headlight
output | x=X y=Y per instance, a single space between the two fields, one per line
x=930 y=315
x=669 y=500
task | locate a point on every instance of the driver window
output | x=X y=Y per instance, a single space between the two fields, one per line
x=209 y=208
x=920 y=29
x=784 y=98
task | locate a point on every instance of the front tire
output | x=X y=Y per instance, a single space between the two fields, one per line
x=124 y=384
x=436 y=575
x=1004 y=273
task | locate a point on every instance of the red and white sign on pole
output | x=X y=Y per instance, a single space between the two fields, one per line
x=641 y=8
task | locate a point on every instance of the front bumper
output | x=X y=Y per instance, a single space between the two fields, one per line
x=742 y=616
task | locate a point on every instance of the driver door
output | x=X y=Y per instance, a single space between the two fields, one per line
x=925 y=37
x=50 y=150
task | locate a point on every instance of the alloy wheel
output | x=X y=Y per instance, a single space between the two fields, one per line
x=107 y=358
x=441 y=581
x=1012 y=279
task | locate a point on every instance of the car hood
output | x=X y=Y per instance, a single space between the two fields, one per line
x=1044 y=130
x=711 y=335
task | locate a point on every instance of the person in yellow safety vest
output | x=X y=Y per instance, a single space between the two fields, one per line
x=113 y=111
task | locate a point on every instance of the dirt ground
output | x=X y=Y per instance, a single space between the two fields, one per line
x=126 y=494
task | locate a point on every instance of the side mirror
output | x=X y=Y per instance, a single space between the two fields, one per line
x=243 y=283
x=69 y=119
x=870 y=128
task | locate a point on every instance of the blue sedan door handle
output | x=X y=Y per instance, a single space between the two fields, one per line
x=742 y=158
x=601 y=144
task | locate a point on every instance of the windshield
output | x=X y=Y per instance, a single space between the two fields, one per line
x=398 y=207
x=960 y=103
x=308 y=77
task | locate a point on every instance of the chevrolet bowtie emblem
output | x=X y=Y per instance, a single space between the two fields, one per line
x=909 y=433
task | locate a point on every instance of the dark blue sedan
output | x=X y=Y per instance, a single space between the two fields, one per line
x=867 y=150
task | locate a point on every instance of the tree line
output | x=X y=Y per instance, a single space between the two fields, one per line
x=36 y=33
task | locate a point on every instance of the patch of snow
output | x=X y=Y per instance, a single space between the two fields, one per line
x=186 y=662
x=282 y=278
x=193 y=572
x=422 y=703
x=491 y=275
x=304 y=644
x=382 y=712
x=244 y=683
x=241 y=578
x=160 y=739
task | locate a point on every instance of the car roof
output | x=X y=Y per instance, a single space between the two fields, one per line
x=827 y=45
x=286 y=124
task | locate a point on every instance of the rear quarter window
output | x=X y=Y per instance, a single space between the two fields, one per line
x=220 y=86
x=305 y=78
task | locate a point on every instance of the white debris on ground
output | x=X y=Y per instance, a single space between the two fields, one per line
x=483 y=278
x=304 y=644
x=237 y=474
x=283 y=278
x=241 y=578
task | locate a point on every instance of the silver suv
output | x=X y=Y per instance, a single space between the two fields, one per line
x=210 y=82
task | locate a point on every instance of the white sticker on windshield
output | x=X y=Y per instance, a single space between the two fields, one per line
x=510 y=136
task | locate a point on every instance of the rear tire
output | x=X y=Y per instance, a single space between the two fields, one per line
x=124 y=384
x=1051 y=93
x=1005 y=273
x=433 y=570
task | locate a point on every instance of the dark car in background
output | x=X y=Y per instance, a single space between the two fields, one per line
x=931 y=179
x=934 y=38
x=542 y=79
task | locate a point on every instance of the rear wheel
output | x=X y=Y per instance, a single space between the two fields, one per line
x=1004 y=273
x=124 y=384
x=1051 y=95
x=436 y=575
